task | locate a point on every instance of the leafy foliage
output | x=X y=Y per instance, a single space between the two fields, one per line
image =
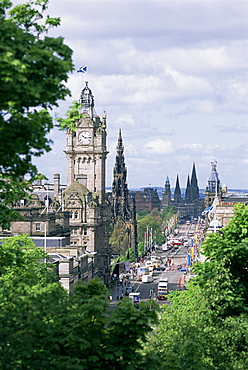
x=43 y=327
x=33 y=73
x=206 y=326
x=224 y=274
x=119 y=238
x=190 y=336
x=149 y=221
x=72 y=117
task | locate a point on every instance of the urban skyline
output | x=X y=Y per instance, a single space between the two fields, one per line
x=171 y=75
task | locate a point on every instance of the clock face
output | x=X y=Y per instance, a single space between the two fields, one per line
x=84 y=137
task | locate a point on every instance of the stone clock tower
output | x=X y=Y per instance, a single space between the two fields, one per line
x=86 y=148
x=84 y=196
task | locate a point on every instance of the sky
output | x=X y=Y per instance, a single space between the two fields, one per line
x=172 y=75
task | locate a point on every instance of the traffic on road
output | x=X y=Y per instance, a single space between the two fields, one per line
x=161 y=271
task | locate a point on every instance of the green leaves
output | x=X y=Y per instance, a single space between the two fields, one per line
x=43 y=327
x=33 y=75
x=224 y=276
x=73 y=115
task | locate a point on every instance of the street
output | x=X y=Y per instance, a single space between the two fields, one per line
x=176 y=278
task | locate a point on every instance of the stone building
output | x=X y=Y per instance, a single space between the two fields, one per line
x=79 y=211
x=146 y=199
x=123 y=205
x=219 y=203
x=191 y=205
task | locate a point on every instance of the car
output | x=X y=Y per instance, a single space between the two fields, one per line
x=160 y=268
x=179 y=267
x=129 y=289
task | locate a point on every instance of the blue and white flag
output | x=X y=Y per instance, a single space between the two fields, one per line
x=207 y=210
x=212 y=209
x=83 y=69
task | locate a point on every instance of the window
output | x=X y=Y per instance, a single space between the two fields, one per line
x=85 y=232
x=37 y=227
x=76 y=214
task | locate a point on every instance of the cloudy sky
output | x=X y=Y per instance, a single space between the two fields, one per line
x=173 y=75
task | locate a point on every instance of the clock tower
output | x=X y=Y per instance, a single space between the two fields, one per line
x=86 y=148
x=84 y=197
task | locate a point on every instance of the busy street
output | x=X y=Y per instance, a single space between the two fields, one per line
x=168 y=263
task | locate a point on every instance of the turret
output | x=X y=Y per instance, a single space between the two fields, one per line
x=87 y=101
x=166 y=196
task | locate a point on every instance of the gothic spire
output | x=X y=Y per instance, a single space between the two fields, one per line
x=188 y=195
x=194 y=184
x=119 y=187
x=119 y=148
x=177 y=192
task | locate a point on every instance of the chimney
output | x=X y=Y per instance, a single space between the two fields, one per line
x=56 y=179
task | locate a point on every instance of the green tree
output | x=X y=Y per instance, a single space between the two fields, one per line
x=148 y=222
x=119 y=238
x=225 y=272
x=43 y=327
x=168 y=212
x=206 y=326
x=33 y=73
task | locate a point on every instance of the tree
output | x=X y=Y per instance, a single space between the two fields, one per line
x=34 y=69
x=119 y=238
x=43 y=327
x=147 y=222
x=224 y=275
x=206 y=326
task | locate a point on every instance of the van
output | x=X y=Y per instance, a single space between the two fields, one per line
x=147 y=279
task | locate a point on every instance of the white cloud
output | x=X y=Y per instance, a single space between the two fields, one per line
x=162 y=67
x=160 y=147
x=126 y=119
x=192 y=146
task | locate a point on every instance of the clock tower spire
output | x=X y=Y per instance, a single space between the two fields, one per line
x=86 y=147
x=85 y=196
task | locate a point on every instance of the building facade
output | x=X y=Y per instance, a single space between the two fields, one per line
x=80 y=210
x=219 y=203
x=146 y=199
x=191 y=205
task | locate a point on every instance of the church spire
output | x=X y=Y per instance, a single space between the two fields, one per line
x=166 y=195
x=177 y=192
x=194 y=184
x=188 y=195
